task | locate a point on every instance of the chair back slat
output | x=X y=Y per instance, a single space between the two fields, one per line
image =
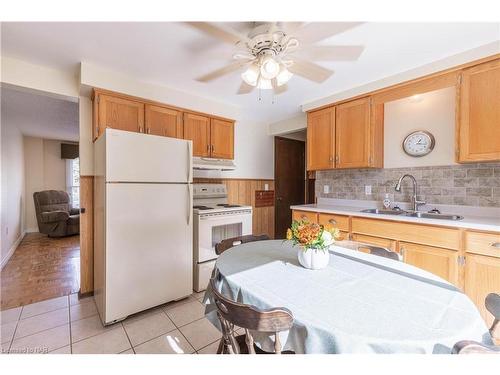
x=235 y=241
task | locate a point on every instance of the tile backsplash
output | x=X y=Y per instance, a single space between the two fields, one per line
x=464 y=184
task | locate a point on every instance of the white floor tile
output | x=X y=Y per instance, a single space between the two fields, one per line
x=210 y=349
x=112 y=342
x=44 y=306
x=186 y=313
x=170 y=343
x=10 y=315
x=42 y=342
x=83 y=310
x=84 y=328
x=41 y=322
x=73 y=299
x=63 y=350
x=200 y=333
x=128 y=351
x=145 y=329
x=7 y=331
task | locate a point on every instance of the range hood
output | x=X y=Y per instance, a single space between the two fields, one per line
x=213 y=164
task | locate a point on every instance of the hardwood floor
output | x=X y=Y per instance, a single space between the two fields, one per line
x=41 y=268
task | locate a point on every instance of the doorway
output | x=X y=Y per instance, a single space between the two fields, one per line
x=289 y=180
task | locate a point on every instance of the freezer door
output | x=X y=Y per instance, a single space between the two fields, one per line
x=149 y=253
x=136 y=157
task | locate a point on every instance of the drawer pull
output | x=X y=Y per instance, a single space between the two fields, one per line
x=495 y=245
x=303 y=217
x=332 y=221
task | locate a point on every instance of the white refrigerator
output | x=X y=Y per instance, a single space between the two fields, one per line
x=143 y=222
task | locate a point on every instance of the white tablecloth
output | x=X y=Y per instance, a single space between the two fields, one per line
x=360 y=303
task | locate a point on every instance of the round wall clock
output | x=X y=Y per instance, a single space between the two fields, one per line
x=419 y=143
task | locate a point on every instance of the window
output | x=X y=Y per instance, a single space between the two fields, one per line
x=73 y=181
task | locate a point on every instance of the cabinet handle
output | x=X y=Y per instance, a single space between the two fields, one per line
x=495 y=245
x=149 y=130
x=303 y=217
x=337 y=158
x=332 y=221
x=208 y=148
x=213 y=148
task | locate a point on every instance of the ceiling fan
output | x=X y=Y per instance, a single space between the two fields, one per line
x=272 y=52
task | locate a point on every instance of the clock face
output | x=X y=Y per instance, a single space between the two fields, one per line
x=418 y=143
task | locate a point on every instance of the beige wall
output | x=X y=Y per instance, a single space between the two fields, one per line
x=433 y=111
x=45 y=170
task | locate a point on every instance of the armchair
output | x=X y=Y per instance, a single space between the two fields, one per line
x=54 y=214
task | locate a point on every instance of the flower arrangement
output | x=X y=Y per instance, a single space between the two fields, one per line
x=311 y=235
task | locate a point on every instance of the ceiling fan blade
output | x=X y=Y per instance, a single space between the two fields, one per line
x=315 y=31
x=222 y=71
x=331 y=53
x=280 y=89
x=221 y=32
x=310 y=70
x=245 y=88
x=290 y=27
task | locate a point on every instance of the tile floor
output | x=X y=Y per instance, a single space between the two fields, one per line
x=66 y=325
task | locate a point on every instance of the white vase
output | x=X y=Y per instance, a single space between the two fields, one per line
x=313 y=259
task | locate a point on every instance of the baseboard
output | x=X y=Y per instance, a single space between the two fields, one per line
x=12 y=249
x=31 y=230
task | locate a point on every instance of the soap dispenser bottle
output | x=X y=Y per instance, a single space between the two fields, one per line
x=387 y=201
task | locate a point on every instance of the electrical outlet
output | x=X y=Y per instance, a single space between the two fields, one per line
x=266 y=187
x=368 y=190
x=326 y=189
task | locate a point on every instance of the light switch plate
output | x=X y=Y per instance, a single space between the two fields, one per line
x=326 y=189
x=368 y=190
x=266 y=187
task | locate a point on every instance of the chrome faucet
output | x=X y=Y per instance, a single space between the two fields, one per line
x=415 y=202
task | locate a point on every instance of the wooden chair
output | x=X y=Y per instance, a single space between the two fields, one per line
x=492 y=304
x=379 y=251
x=473 y=347
x=235 y=241
x=233 y=314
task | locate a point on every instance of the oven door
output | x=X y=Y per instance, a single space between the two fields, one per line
x=214 y=228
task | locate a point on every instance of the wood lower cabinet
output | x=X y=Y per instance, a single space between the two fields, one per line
x=479 y=120
x=117 y=113
x=376 y=241
x=321 y=139
x=163 y=121
x=305 y=215
x=197 y=129
x=441 y=262
x=338 y=221
x=221 y=139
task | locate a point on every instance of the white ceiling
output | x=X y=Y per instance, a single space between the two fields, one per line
x=39 y=115
x=174 y=54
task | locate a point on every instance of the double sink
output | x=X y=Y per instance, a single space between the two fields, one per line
x=419 y=214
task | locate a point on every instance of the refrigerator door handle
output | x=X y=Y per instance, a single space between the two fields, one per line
x=190 y=162
x=190 y=204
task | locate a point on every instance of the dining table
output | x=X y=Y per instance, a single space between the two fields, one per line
x=359 y=303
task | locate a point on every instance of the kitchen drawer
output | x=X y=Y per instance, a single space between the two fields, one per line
x=483 y=243
x=376 y=241
x=305 y=215
x=417 y=233
x=338 y=221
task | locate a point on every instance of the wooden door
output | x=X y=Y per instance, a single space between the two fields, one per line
x=221 y=139
x=482 y=276
x=119 y=113
x=163 y=121
x=321 y=139
x=479 y=123
x=197 y=129
x=441 y=262
x=289 y=181
x=352 y=134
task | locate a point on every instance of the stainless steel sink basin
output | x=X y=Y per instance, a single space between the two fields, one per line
x=426 y=215
x=383 y=212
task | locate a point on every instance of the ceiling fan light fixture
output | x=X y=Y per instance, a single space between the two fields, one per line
x=251 y=75
x=284 y=76
x=269 y=67
x=264 y=84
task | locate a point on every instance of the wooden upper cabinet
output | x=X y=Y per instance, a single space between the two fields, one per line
x=321 y=139
x=163 y=121
x=118 y=113
x=197 y=129
x=479 y=121
x=221 y=139
x=358 y=136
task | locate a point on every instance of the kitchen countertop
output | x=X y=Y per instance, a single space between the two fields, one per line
x=471 y=220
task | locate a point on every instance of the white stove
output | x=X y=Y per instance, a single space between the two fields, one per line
x=214 y=221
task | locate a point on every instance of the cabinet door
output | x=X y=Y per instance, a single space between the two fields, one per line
x=197 y=129
x=163 y=121
x=353 y=134
x=120 y=113
x=337 y=221
x=312 y=217
x=375 y=241
x=222 y=139
x=441 y=262
x=479 y=124
x=321 y=139
x=482 y=276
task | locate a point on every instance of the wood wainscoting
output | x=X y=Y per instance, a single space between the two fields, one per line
x=242 y=191
x=87 y=234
